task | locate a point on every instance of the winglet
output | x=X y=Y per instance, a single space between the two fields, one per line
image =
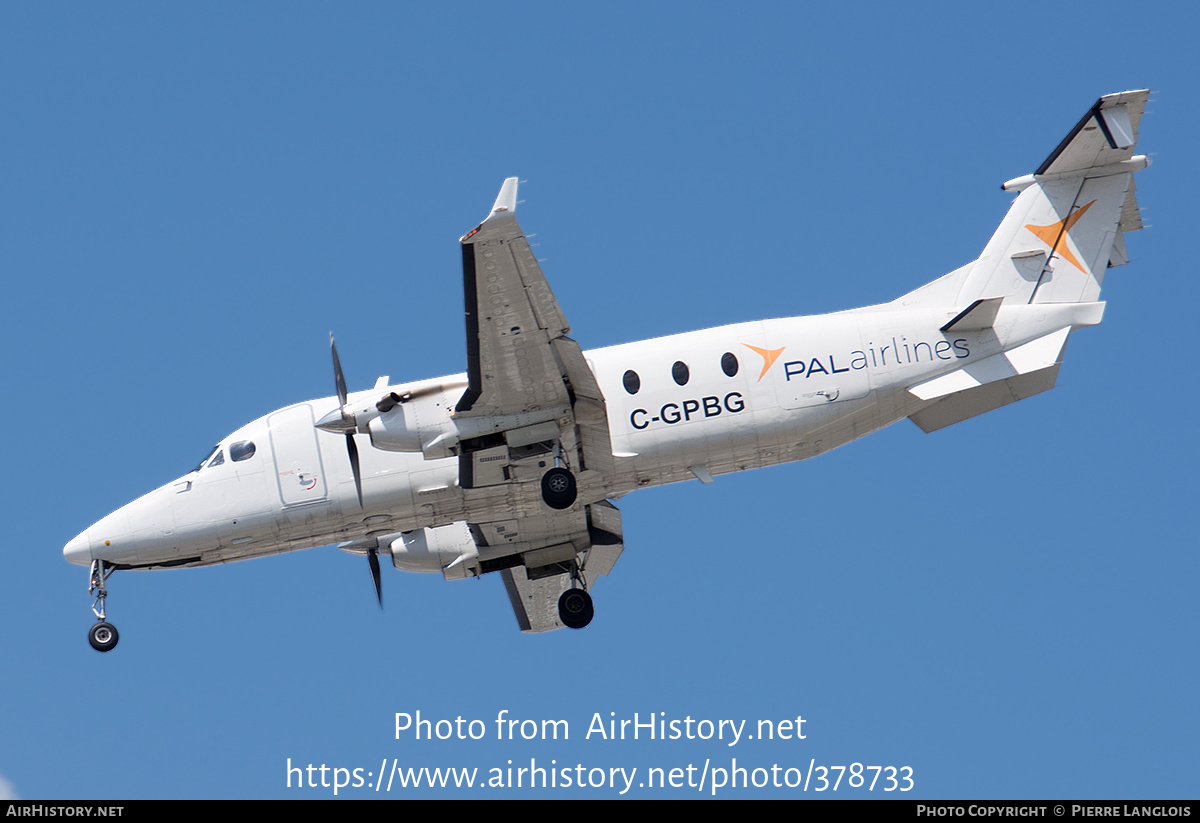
x=504 y=207
x=506 y=200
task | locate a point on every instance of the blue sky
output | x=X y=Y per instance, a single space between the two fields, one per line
x=193 y=197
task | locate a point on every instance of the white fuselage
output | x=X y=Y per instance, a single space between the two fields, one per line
x=799 y=387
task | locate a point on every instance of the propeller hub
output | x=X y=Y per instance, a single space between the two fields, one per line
x=337 y=422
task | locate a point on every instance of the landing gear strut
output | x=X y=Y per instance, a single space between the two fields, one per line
x=103 y=636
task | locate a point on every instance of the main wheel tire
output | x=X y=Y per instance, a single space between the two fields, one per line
x=558 y=488
x=103 y=637
x=575 y=608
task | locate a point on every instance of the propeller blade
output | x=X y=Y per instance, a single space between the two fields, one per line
x=338 y=377
x=353 y=451
x=347 y=422
x=373 y=559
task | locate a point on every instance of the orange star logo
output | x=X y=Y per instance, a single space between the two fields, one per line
x=1055 y=236
x=768 y=355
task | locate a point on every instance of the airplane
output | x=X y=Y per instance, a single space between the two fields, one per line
x=512 y=467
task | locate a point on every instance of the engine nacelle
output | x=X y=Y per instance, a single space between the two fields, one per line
x=427 y=425
x=415 y=425
x=447 y=549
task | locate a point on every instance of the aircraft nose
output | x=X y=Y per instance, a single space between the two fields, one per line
x=79 y=550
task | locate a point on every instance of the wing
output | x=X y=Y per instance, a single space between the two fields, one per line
x=591 y=539
x=531 y=402
x=520 y=362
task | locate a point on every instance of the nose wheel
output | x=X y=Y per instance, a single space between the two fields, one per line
x=103 y=636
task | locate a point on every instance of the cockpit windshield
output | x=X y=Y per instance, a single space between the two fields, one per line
x=239 y=451
x=208 y=457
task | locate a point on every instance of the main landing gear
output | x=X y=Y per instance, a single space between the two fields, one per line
x=558 y=484
x=575 y=608
x=575 y=604
x=558 y=488
x=103 y=636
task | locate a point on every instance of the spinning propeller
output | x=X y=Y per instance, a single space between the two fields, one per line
x=373 y=559
x=344 y=422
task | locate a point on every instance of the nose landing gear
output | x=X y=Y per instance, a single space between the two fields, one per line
x=103 y=636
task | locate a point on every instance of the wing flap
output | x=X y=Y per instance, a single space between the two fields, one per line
x=541 y=298
x=549 y=548
x=535 y=602
x=591 y=415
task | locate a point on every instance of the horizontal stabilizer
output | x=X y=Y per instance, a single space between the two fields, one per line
x=1035 y=355
x=978 y=316
x=1106 y=135
x=1057 y=240
x=973 y=402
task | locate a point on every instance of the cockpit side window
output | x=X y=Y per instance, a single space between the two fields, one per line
x=218 y=460
x=242 y=450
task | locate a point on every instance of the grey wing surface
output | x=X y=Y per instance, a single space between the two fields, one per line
x=531 y=401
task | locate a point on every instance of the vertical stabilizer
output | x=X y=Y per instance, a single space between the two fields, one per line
x=1067 y=225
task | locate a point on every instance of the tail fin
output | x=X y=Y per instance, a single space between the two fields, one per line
x=1067 y=225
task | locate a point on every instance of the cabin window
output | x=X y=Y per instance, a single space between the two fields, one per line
x=729 y=364
x=242 y=450
x=632 y=381
x=680 y=372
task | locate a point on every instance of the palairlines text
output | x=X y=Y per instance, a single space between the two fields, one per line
x=903 y=352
